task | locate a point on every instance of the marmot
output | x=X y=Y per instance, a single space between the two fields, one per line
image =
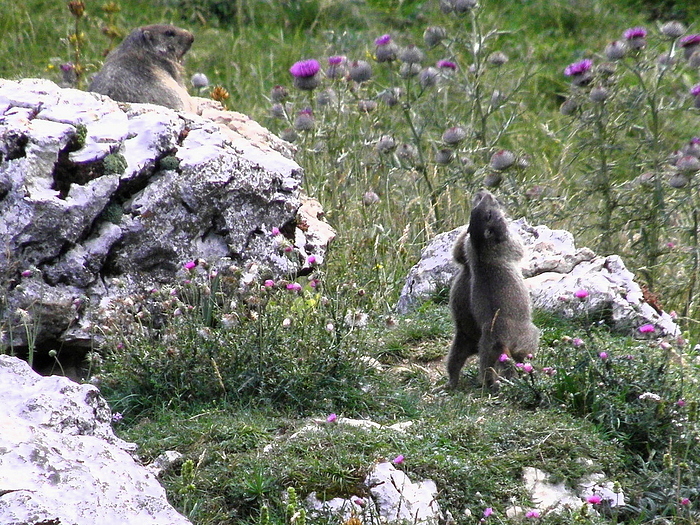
x=146 y=67
x=489 y=301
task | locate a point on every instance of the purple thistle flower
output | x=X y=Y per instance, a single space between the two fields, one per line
x=695 y=90
x=581 y=294
x=336 y=60
x=269 y=283
x=487 y=512
x=446 y=64
x=189 y=265
x=26 y=273
x=305 y=68
x=690 y=40
x=382 y=40
x=578 y=68
x=503 y=358
x=635 y=32
x=646 y=329
x=594 y=499
x=332 y=418
x=398 y=459
x=603 y=356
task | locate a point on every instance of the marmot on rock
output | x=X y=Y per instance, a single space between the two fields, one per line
x=489 y=301
x=146 y=67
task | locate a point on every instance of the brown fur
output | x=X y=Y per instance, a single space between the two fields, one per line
x=489 y=301
x=146 y=67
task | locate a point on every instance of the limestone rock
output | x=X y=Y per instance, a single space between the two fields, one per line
x=61 y=462
x=100 y=201
x=554 y=270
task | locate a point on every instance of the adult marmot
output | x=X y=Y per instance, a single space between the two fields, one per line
x=489 y=302
x=146 y=67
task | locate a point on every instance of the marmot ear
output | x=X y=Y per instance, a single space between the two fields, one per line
x=147 y=36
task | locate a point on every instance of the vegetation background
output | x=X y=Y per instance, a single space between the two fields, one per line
x=232 y=374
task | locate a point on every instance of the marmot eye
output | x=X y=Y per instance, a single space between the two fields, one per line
x=170 y=32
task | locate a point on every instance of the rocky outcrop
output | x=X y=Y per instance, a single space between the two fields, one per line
x=567 y=281
x=101 y=200
x=60 y=462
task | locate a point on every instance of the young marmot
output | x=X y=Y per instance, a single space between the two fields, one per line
x=489 y=301
x=146 y=67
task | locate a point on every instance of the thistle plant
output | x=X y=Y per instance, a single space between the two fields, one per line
x=74 y=71
x=627 y=104
x=391 y=116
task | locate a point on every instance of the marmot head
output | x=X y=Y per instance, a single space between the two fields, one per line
x=487 y=222
x=166 y=40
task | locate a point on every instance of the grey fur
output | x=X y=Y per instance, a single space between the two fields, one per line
x=489 y=301
x=146 y=67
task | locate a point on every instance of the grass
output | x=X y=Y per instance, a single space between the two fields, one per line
x=220 y=382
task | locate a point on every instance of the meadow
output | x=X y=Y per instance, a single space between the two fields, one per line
x=579 y=114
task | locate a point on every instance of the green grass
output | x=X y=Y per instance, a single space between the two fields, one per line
x=220 y=383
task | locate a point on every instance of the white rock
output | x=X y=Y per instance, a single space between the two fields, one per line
x=62 y=462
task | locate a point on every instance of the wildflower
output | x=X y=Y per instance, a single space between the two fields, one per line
x=305 y=73
x=433 y=35
x=646 y=328
x=603 y=356
x=594 y=499
x=330 y=327
x=356 y=319
x=581 y=294
x=311 y=260
x=487 y=512
x=444 y=156
x=680 y=403
x=580 y=72
x=332 y=418
x=411 y=54
x=26 y=273
x=549 y=370
x=497 y=58
x=398 y=459
x=370 y=198
x=274 y=231
x=360 y=71
x=428 y=77
x=672 y=29
x=695 y=91
x=615 y=50
x=598 y=94
x=269 y=283
x=117 y=416
x=287 y=322
x=386 y=144
x=408 y=70
x=688 y=164
x=336 y=66
x=690 y=44
x=446 y=65
x=219 y=94
x=502 y=160
x=577 y=341
x=454 y=135
x=359 y=501
x=386 y=49
x=528 y=368
x=277 y=111
x=199 y=81
x=532 y=514
x=685 y=502
x=636 y=38
x=295 y=287
x=76 y=8
x=189 y=265
x=304 y=120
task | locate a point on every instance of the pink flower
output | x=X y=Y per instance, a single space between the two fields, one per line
x=269 y=283
x=685 y=501
x=295 y=287
x=581 y=294
x=695 y=91
x=382 y=40
x=274 y=231
x=332 y=418
x=532 y=514
x=26 y=273
x=446 y=64
x=680 y=403
x=646 y=328
x=528 y=368
x=305 y=68
x=311 y=259
x=578 y=68
x=487 y=512
x=577 y=341
x=549 y=370
x=594 y=499
x=189 y=265
x=503 y=358
x=336 y=60
x=690 y=40
x=398 y=459
x=603 y=356
x=635 y=32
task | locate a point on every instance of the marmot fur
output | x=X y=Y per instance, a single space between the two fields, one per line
x=146 y=67
x=489 y=301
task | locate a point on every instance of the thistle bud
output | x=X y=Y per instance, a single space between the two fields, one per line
x=502 y=160
x=672 y=29
x=360 y=71
x=454 y=135
x=433 y=35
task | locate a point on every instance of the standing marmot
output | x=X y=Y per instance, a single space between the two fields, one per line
x=146 y=67
x=490 y=304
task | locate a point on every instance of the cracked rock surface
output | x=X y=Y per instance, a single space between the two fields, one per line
x=100 y=200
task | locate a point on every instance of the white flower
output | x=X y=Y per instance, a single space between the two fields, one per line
x=649 y=395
